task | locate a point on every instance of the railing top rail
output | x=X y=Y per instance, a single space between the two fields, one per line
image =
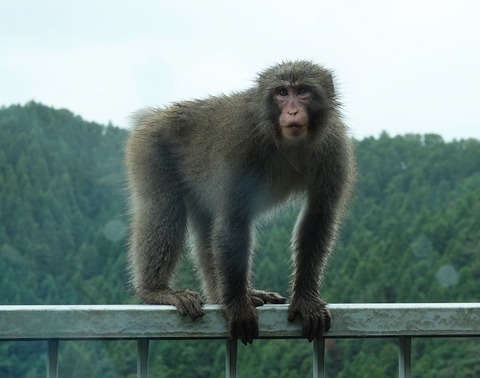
x=147 y=321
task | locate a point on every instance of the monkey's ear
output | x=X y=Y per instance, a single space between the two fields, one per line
x=329 y=85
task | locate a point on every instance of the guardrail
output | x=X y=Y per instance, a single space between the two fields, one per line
x=145 y=322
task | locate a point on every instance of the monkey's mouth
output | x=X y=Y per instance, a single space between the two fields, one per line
x=294 y=130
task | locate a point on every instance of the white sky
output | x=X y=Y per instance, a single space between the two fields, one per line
x=406 y=66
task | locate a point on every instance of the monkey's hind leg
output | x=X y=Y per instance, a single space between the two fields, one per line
x=156 y=247
x=202 y=252
x=159 y=223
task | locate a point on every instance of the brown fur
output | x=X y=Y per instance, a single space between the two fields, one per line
x=219 y=163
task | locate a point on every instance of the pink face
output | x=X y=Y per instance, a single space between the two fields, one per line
x=292 y=101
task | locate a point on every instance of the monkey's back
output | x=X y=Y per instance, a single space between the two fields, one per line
x=204 y=143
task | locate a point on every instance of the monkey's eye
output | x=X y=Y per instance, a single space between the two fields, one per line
x=302 y=91
x=282 y=92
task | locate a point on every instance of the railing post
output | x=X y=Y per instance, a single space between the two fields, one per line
x=231 y=358
x=52 y=359
x=319 y=358
x=405 y=357
x=142 y=358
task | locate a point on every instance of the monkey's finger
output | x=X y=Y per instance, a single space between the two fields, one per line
x=251 y=330
x=313 y=328
x=292 y=315
x=320 y=329
x=246 y=330
x=237 y=332
x=327 y=321
x=308 y=327
x=234 y=331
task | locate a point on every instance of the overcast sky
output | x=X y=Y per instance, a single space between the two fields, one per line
x=409 y=66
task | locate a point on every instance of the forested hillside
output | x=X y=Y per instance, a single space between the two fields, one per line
x=412 y=235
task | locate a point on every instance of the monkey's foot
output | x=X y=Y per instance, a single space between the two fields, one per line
x=187 y=302
x=316 y=318
x=242 y=322
x=260 y=297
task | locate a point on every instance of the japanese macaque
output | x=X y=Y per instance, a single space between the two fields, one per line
x=215 y=166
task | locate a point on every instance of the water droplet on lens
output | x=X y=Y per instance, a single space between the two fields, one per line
x=115 y=230
x=447 y=276
x=421 y=247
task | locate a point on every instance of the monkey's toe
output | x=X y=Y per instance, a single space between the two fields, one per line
x=262 y=297
x=257 y=302
x=187 y=302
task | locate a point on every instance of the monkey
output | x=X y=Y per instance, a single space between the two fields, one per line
x=214 y=166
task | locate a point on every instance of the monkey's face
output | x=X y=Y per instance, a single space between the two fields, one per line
x=292 y=101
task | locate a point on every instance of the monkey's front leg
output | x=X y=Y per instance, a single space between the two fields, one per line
x=232 y=245
x=315 y=237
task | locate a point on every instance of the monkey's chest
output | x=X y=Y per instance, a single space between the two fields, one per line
x=283 y=185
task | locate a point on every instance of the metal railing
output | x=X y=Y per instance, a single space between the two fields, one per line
x=144 y=322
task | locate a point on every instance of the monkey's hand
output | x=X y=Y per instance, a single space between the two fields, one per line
x=187 y=302
x=316 y=318
x=260 y=297
x=242 y=321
